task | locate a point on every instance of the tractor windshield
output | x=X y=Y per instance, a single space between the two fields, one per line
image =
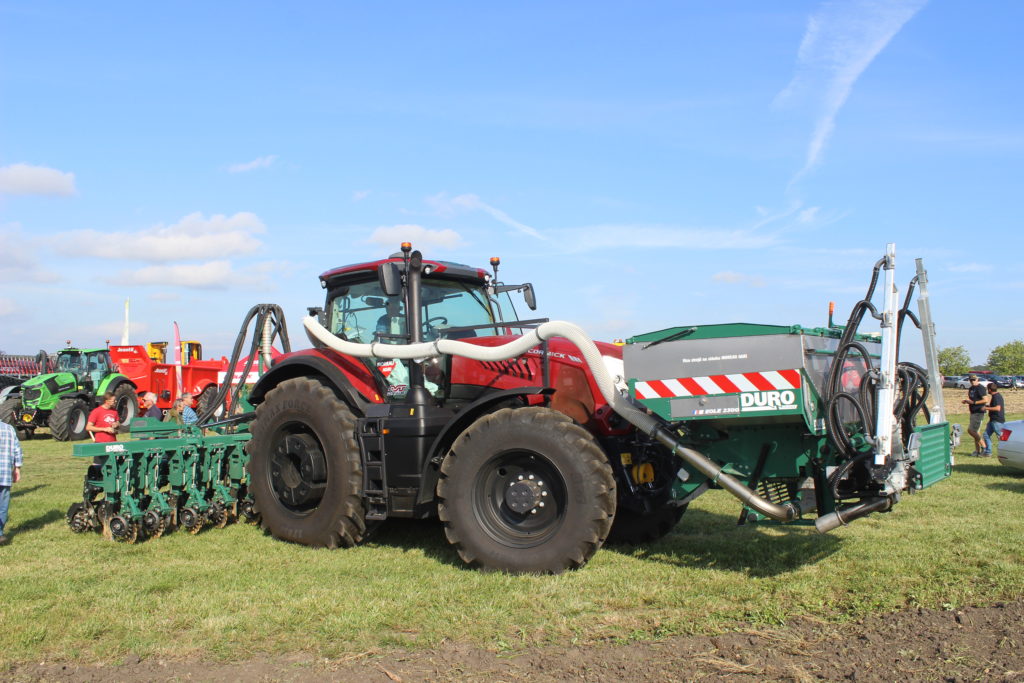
x=70 y=361
x=362 y=313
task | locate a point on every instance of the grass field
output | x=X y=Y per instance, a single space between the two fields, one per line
x=232 y=593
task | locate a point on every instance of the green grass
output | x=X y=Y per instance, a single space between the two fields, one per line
x=228 y=594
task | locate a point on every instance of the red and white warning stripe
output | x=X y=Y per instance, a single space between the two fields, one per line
x=719 y=384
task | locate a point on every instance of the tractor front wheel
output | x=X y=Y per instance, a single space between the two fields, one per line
x=526 y=490
x=9 y=410
x=67 y=421
x=305 y=470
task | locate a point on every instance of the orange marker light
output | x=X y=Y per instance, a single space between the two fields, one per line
x=407 y=246
x=495 y=261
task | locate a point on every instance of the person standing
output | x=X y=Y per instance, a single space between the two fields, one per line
x=102 y=422
x=996 y=410
x=174 y=414
x=10 y=471
x=976 y=401
x=188 y=414
x=149 y=403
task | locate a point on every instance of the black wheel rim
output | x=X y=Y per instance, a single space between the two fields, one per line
x=298 y=470
x=519 y=499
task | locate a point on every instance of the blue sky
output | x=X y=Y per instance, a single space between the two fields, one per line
x=643 y=164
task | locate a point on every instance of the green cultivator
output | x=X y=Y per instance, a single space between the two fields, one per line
x=169 y=477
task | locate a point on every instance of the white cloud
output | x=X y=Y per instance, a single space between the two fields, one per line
x=7 y=306
x=732 y=277
x=842 y=38
x=360 y=195
x=261 y=162
x=971 y=268
x=26 y=179
x=19 y=262
x=210 y=275
x=808 y=215
x=596 y=237
x=470 y=202
x=393 y=236
x=194 y=237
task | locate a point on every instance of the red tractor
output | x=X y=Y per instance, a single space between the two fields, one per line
x=522 y=459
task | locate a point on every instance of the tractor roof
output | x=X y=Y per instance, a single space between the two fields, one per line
x=449 y=269
x=71 y=350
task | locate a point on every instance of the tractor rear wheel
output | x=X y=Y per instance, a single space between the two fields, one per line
x=305 y=469
x=9 y=408
x=126 y=403
x=634 y=528
x=67 y=421
x=526 y=490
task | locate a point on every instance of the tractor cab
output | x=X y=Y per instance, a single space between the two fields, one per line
x=370 y=303
x=89 y=366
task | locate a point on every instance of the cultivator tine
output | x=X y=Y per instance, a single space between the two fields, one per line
x=146 y=488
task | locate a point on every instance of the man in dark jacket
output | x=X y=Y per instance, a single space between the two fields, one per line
x=996 y=417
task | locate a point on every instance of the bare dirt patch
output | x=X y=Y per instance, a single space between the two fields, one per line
x=1014 y=399
x=974 y=643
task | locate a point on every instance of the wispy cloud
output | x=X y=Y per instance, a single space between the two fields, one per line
x=194 y=237
x=470 y=202
x=210 y=275
x=842 y=38
x=734 y=278
x=392 y=236
x=971 y=268
x=19 y=262
x=360 y=195
x=41 y=180
x=261 y=162
x=620 y=237
x=7 y=306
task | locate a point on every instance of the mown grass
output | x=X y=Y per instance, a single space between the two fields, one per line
x=228 y=594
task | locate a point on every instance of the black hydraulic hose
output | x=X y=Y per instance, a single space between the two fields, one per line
x=262 y=314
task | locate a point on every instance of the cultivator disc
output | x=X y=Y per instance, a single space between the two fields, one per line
x=147 y=488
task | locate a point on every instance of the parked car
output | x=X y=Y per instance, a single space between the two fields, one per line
x=1011 y=445
x=966 y=383
x=951 y=381
x=1003 y=381
x=1018 y=382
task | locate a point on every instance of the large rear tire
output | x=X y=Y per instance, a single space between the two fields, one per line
x=67 y=421
x=526 y=490
x=634 y=528
x=126 y=403
x=306 y=473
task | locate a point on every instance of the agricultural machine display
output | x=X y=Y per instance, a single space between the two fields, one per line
x=15 y=369
x=62 y=399
x=425 y=395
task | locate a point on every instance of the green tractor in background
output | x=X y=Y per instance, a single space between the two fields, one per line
x=62 y=400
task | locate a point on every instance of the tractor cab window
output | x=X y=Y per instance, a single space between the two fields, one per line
x=98 y=367
x=70 y=362
x=453 y=304
x=362 y=313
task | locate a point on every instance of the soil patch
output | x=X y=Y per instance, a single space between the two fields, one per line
x=1014 y=399
x=974 y=643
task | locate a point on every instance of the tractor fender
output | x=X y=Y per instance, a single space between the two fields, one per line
x=309 y=366
x=467 y=416
x=10 y=392
x=112 y=382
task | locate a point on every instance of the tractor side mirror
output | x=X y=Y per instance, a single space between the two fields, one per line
x=165 y=394
x=529 y=297
x=390 y=279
